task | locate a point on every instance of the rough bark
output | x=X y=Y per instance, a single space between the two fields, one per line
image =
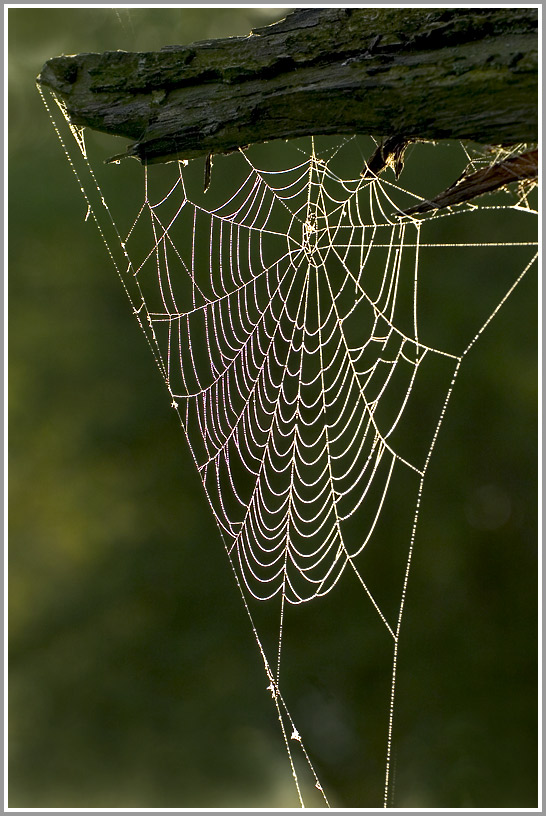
x=416 y=73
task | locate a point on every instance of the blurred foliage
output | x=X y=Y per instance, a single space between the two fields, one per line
x=134 y=676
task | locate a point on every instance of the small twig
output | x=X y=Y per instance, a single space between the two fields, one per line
x=208 y=172
x=389 y=153
x=519 y=168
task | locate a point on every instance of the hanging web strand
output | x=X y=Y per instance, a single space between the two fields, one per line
x=285 y=321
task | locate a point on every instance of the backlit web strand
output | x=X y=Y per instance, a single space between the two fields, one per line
x=281 y=411
x=310 y=331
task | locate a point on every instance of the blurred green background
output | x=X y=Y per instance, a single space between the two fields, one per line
x=135 y=680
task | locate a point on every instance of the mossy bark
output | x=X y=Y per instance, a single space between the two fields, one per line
x=418 y=73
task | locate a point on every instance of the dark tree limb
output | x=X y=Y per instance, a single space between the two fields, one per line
x=407 y=73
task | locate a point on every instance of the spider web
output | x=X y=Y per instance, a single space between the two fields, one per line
x=283 y=309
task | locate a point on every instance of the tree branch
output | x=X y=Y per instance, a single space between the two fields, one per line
x=518 y=168
x=413 y=73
